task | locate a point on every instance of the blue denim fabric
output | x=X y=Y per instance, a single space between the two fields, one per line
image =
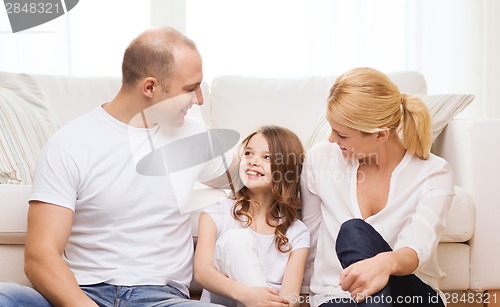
x=13 y=295
x=358 y=240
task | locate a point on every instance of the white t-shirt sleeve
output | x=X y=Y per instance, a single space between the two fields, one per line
x=218 y=212
x=56 y=177
x=223 y=159
x=301 y=237
x=215 y=167
x=424 y=229
x=311 y=206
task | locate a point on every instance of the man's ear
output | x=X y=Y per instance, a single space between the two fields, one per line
x=149 y=86
x=383 y=134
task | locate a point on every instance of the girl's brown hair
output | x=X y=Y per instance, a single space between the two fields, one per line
x=287 y=154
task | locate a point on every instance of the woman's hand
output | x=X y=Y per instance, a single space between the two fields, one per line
x=369 y=276
x=261 y=297
x=366 y=277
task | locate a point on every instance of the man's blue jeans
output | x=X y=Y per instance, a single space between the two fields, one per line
x=14 y=295
x=358 y=240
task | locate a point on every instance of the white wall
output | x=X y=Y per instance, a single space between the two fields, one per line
x=455 y=44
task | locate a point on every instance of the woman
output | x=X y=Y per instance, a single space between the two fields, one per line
x=376 y=200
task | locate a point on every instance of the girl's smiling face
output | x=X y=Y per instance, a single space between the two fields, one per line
x=255 y=165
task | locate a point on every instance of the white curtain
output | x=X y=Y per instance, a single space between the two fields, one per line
x=289 y=38
x=43 y=50
x=454 y=43
x=89 y=40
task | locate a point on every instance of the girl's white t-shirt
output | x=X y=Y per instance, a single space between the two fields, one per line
x=273 y=262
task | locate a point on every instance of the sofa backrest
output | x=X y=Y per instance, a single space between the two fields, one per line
x=240 y=103
x=70 y=97
x=244 y=103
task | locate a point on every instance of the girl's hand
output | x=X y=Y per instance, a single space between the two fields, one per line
x=262 y=297
x=366 y=277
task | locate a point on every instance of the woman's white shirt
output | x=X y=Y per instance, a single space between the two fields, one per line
x=419 y=198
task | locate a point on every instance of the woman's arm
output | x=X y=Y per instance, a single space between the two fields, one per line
x=311 y=214
x=49 y=227
x=207 y=275
x=294 y=273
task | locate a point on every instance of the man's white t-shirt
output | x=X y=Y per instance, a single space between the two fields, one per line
x=127 y=227
x=419 y=198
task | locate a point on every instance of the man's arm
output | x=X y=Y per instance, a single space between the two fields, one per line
x=230 y=178
x=49 y=227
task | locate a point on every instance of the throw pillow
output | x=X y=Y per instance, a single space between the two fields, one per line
x=25 y=125
x=443 y=108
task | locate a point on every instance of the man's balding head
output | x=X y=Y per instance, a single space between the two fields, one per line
x=151 y=54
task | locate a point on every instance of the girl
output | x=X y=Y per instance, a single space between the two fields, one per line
x=251 y=247
x=377 y=199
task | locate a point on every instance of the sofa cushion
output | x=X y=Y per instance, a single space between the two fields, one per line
x=453 y=259
x=444 y=108
x=244 y=103
x=12 y=264
x=25 y=125
x=460 y=220
x=13 y=212
x=70 y=97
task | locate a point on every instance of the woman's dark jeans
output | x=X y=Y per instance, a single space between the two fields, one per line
x=358 y=240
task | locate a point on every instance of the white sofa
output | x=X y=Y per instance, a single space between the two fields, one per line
x=468 y=251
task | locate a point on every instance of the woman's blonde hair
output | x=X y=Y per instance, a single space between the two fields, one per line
x=287 y=155
x=366 y=99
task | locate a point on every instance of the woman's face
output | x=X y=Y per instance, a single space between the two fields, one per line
x=352 y=142
x=255 y=165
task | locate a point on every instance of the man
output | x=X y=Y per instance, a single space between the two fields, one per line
x=118 y=228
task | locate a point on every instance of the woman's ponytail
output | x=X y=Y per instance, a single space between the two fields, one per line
x=416 y=126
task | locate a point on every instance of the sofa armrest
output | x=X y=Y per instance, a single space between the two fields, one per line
x=471 y=147
x=13 y=213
